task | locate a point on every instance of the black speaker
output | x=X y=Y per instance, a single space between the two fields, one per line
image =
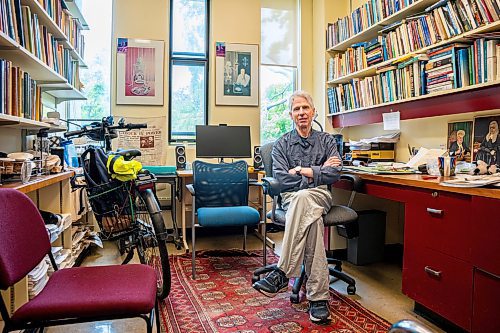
x=180 y=157
x=257 y=158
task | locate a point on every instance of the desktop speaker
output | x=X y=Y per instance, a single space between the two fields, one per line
x=180 y=157
x=257 y=158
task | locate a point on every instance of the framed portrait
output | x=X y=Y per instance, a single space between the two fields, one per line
x=486 y=145
x=460 y=140
x=236 y=74
x=139 y=71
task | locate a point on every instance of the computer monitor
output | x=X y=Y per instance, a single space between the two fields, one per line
x=223 y=141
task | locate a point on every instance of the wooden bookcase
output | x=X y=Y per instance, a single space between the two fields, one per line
x=51 y=82
x=478 y=97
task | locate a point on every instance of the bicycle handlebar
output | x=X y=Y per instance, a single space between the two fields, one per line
x=98 y=127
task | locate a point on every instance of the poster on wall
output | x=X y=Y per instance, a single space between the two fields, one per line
x=139 y=71
x=236 y=74
x=149 y=141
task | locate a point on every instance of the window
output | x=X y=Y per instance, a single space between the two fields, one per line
x=188 y=88
x=279 y=39
x=96 y=78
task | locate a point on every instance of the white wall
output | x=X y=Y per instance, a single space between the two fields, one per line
x=134 y=19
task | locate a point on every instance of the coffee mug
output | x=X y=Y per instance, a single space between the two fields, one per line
x=447 y=165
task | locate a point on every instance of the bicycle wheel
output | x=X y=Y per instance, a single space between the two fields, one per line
x=152 y=247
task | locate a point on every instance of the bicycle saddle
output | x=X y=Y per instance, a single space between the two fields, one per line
x=128 y=154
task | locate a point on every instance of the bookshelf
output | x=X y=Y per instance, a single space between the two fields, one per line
x=479 y=97
x=365 y=110
x=53 y=28
x=370 y=71
x=38 y=59
x=372 y=31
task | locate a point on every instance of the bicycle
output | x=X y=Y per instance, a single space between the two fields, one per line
x=127 y=212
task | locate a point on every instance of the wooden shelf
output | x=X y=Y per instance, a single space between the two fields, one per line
x=23 y=123
x=21 y=57
x=62 y=92
x=52 y=27
x=370 y=71
x=478 y=97
x=36 y=183
x=372 y=31
x=77 y=13
x=54 y=84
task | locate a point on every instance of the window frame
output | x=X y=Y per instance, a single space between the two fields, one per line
x=186 y=58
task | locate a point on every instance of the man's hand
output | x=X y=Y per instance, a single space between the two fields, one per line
x=292 y=171
x=333 y=161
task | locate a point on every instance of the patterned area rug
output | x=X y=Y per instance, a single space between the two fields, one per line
x=223 y=300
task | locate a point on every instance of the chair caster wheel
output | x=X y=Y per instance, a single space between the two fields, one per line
x=351 y=290
x=255 y=279
x=294 y=298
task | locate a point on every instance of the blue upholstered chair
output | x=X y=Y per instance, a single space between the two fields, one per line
x=220 y=199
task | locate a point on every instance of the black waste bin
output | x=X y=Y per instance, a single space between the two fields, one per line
x=368 y=247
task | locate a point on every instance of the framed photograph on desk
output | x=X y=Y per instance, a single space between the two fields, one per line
x=237 y=74
x=460 y=140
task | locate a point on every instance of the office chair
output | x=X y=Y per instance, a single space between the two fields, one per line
x=220 y=199
x=408 y=326
x=71 y=295
x=342 y=217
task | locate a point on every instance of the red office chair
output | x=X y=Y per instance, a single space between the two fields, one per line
x=73 y=295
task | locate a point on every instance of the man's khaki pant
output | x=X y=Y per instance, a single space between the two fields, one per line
x=303 y=239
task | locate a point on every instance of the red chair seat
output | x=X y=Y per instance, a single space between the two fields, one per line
x=85 y=292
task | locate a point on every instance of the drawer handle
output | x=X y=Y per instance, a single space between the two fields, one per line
x=431 y=271
x=435 y=211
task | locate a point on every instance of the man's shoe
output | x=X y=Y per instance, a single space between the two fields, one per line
x=274 y=282
x=319 y=313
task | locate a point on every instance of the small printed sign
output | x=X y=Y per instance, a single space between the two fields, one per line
x=122 y=45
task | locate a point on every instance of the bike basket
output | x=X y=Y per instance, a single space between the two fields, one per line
x=113 y=206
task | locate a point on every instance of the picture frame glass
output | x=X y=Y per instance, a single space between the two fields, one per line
x=459 y=141
x=486 y=146
x=139 y=71
x=237 y=74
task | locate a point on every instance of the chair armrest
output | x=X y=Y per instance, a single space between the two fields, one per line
x=270 y=186
x=356 y=181
x=254 y=182
x=190 y=188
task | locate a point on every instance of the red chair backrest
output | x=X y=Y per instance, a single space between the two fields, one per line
x=23 y=238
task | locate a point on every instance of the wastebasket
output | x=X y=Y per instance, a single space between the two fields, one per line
x=368 y=247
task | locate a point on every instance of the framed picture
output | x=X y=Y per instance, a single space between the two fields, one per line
x=139 y=71
x=460 y=140
x=236 y=74
x=486 y=146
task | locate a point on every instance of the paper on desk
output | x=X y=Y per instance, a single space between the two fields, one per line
x=424 y=155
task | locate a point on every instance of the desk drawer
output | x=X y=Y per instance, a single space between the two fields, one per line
x=440 y=221
x=440 y=283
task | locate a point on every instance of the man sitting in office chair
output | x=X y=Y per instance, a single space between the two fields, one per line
x=305 y=161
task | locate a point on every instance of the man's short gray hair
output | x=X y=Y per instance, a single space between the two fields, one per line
x=303 y=94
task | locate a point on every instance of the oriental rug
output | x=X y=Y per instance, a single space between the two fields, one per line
x=222 y=299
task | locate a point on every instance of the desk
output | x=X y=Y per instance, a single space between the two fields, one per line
x=185 y=198
x=451 y=261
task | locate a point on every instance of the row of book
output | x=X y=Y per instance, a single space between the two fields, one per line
x=444 y=68
x=70 y=26
x=370 y=13
x=21 y=24
x=442 y=21
x=19 y=94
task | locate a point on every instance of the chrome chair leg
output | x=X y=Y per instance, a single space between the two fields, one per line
x=245 y=237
